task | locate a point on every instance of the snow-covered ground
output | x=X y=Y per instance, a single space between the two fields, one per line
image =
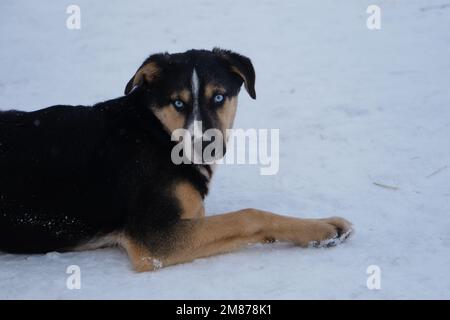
x=355 y=108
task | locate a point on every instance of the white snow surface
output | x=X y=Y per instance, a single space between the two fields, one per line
x=354 y=107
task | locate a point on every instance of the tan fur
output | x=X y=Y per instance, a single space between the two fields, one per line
x=149 y=72
x=211 y=89
x=223 y=233
x=227 y=112
x=190 y=201
x=184 y=95
x=139 y=255
x=238 y=72
x=169 y=117
x=232 y=231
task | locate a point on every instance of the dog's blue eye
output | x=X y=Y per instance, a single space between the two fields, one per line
x=218 y=98
x=178 y=104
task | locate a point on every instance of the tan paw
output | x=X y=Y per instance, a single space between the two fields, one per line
x=330 y=232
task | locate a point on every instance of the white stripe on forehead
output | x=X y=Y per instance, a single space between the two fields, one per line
x=195 y=88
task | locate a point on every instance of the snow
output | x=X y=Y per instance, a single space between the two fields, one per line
x=357 y=110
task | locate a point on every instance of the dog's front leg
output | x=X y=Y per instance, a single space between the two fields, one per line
x=203 y=237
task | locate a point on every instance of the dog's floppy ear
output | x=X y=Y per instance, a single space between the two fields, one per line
x=242 y=66
x=148 y=72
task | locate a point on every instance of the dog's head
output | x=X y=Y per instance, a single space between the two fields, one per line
x=197 y=85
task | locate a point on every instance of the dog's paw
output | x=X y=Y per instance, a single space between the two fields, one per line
x=330 y=232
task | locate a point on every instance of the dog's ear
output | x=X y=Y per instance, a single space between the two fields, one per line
x=147 y=73
x=242 y=66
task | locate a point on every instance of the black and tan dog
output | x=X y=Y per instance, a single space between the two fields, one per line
x=79 y=178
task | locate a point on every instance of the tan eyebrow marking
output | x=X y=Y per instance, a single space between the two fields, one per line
x=211 y=89
x=184 y=95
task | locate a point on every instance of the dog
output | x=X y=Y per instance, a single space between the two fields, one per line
x=85 y=177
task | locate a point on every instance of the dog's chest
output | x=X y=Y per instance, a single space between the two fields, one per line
x=189 y=200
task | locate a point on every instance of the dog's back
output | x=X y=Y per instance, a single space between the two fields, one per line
x=46 y=161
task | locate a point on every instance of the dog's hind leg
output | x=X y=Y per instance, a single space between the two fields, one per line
x=197 y=238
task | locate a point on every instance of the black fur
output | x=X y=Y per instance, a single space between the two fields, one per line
x=71 y=173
